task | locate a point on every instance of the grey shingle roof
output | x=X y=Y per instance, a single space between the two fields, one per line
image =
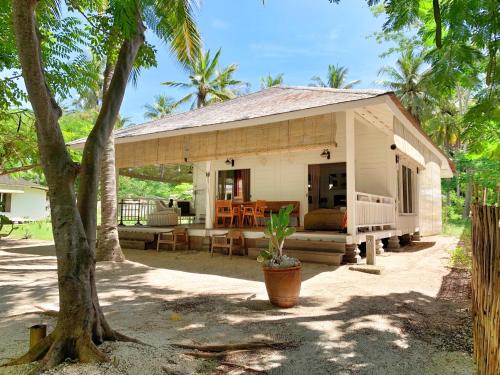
x=6 y=180
x=271 y=101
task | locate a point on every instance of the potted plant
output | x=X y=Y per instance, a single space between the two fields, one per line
x=282 y=274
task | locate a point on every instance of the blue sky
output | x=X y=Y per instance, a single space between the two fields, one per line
x=296 y=37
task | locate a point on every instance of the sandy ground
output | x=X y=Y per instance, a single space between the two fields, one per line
x=399 y=322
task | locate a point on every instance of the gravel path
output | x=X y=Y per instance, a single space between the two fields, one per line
x=400 y=322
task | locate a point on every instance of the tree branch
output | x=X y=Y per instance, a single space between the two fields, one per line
x=18 y=169
x=42 y=101
x=437 y=20
x=94 y=146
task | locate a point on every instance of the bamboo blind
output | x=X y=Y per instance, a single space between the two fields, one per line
x=486 y=288
x=298 y=134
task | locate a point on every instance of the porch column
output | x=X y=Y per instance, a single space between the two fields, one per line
x=210 y=182
x=351 y=173
x=352 y=253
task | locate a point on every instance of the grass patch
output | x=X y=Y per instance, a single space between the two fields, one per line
x=37 y=230
x=461 y=256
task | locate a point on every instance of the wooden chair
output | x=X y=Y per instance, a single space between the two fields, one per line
x=253 y=213
x=224 y=211
x=173 y=238
x=237 y=214
x=227 y=241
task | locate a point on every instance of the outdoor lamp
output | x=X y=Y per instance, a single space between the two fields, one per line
x=325 y=154
x=230 y=162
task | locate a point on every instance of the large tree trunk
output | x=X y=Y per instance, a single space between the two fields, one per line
x=108 y=242
x=80 y=324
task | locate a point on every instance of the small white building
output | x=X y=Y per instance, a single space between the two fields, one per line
x=23 y=200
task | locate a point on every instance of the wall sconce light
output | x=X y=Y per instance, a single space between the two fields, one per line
x=325 y=154
x=397 y=159
x=230 y=162
x=190 y=170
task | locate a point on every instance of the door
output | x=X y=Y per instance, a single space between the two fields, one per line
x=326 y=186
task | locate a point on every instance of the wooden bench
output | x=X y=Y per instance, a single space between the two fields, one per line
x=274 y=207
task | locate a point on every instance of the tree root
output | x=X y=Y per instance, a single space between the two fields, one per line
x=240 y=346
x=34 y=354
x=55 y=348
x=246 y=368
x=210 y=355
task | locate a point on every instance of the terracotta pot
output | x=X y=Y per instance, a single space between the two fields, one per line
x=283 y=285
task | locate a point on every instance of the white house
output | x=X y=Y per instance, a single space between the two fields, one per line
x=23 y=200
x=356 y=153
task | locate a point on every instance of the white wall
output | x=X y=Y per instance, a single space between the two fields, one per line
x=31 y=204
x=273 y=177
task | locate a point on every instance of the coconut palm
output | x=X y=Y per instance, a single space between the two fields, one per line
x=209 y=84
x=173 y=22
x=410 y=82
x=336 y=78
x=163 y=106
x=269 y=80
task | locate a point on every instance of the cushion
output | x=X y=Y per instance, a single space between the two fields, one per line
x=325 y=219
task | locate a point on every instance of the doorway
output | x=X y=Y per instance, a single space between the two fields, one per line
x=234 y=185
x=327 y=186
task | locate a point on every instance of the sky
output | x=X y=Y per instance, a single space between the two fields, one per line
x=298 y=38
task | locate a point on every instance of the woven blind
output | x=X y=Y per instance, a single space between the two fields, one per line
x=298 y=134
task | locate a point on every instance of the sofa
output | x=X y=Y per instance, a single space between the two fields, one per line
x=331 y=219
x=164 y=216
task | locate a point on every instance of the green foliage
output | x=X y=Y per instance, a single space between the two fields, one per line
x=336 y=78
x=209 y=83
x=461 y=258
x=163 y=106
x=18 y=145
x=277 y=230
x=134 y=188
x=269 y=80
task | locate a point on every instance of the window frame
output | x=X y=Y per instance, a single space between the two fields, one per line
x=407 y=202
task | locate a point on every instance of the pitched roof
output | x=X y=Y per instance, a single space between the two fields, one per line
x=6 y=180
x=272 y=101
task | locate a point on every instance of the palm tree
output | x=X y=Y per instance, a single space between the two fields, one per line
x=162 y=106
x=336 y=78
x=209 y=84
x=409 y=82
x=173 y=22
x=269 y=80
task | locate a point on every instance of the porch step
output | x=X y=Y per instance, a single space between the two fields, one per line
x=133 y=244
x=323 y=257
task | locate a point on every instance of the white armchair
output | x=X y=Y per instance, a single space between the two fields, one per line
x=163 y=216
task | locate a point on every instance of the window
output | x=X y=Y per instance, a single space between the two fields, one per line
x=5 y=199
x=407 y=182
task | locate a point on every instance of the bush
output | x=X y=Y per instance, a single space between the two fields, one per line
x=461 y=258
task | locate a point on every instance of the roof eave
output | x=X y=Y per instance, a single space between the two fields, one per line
x=416 y=125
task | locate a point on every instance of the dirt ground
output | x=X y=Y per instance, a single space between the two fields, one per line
x=411 y=319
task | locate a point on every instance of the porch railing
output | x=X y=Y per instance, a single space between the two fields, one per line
x=135 y=211
x=374 y=211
